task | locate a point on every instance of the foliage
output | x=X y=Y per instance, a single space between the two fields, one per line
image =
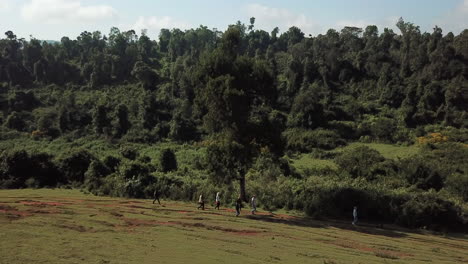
x=168 y=161
x=218 y=110
x=361 y=161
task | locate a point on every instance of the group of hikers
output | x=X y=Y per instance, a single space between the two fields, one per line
x=253 y=203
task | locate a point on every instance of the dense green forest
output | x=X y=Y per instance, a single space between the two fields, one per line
x=201 y=110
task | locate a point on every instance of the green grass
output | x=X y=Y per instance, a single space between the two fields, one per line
x=66 y=226
x=389 y=151
x=306 y=161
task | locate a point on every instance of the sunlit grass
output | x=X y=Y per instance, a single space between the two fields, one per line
x=389 y=151
x=306 y=161
x=66 y=226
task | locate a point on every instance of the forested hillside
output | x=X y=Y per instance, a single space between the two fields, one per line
x=202 y=110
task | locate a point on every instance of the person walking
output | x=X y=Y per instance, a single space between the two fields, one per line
x=253 y=203
x=217 y=201
x=238 y=205
x=156 y=196
x=355 y=216
x=201 y=203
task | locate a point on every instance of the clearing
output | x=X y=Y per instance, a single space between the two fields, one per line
x=67 y=226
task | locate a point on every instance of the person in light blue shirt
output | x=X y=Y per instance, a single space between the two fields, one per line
x=253 y=203
x=355 y=218
x=217 y=200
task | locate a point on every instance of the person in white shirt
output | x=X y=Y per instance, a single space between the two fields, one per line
x=355 y=218
x=253 y=203
x=201 y=203
x=218 y=201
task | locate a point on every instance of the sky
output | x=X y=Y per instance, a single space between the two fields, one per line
x=53 y=19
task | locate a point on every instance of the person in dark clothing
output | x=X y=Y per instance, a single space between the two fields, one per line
x=156 y=197
x=238 y=206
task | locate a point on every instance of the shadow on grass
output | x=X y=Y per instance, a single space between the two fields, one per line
x=308 y=222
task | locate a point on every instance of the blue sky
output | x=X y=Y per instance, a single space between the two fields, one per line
x=52 y=19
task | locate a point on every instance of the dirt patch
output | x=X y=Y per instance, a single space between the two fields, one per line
x=130 y=202
x=40 y=204
x=78 y=228
x=13 y=213
x=116 y=214
x=7 y=208
x=136 y=206
x=213 y=213
x=284 y=216
x=183 y=212
x=132 y=222
x=41 y=211
x=108 y=205
x=104 y=223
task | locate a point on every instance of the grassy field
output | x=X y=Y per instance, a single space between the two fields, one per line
x=389 y=151
x=66 y=226
x=306 y=162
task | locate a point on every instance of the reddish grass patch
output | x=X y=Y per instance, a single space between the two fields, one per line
x=41 y=204
x=132 y=222
x=13 y=213
x=136 y=206
x=39 y=211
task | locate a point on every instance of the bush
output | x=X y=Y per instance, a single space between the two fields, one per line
x=45 y=171
x=168 y=161
x=418 y=173
x=429 y=211
x=16 y=121
x=74 y=164
x=15 y=168
x=94 y=176
x=111 y=162
x=138 y=180
x=19 y=169
x=457 y=184
x=128 y=152
x=360 y=161
x=305 y=140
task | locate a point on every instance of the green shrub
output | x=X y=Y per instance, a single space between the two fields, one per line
x=305 y=140
x=167 y=161
x=429 y=211
x=360 y=161
x=74 y=164
x=20 y=169
x=128 y=152
x=457 y=184
x=111 y=162
x=417 y=172
x=94 y=176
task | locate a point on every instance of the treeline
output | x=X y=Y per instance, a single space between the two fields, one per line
x=355 y=82
x=246 y=96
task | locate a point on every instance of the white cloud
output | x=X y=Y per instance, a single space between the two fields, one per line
x=269 y=17
x=456 y=20
x=59 y=11
x=154 y=24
